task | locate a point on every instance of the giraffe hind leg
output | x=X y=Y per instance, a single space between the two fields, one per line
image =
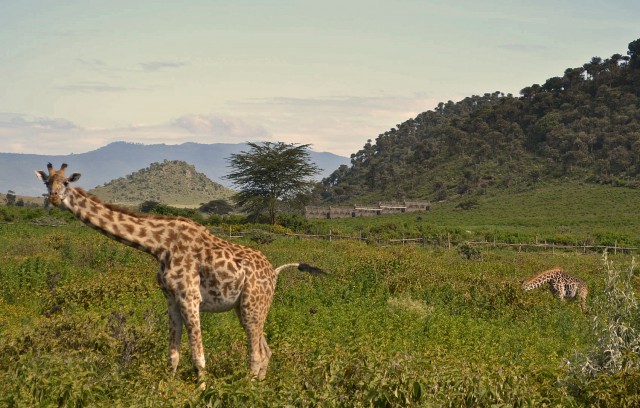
x=190 y=310
x=175 y=335
x=583 y=303
x=266 y=356
x=259 y=352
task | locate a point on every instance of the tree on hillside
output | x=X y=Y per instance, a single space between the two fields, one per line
x=10 y=198
x=219 y=207
x=269 y=174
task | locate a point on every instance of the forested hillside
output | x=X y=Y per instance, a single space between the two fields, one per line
x=582 y=125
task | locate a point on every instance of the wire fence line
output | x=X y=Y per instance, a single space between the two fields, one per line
x=450 y=242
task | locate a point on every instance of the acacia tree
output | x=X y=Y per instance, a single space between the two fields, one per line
x=269 y=174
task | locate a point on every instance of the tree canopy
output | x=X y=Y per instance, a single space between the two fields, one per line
x=270 y=174
x=584 y=125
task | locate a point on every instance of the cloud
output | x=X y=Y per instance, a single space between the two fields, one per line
x=523 y=48
x=22 y=134
x=93 y=87
x=18 y=122
x=217 y=126
x=92 y=63
x=154 y=66
x=340 y=124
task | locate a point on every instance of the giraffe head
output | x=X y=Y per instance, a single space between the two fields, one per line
x=57 y=182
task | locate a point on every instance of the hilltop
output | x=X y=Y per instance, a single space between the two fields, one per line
x=583 y=125
x=175 y=183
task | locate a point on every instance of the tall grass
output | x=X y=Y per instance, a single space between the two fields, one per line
x=82 y=323
x=610 y=370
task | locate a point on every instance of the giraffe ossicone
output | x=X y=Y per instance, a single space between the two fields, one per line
x=198 y=272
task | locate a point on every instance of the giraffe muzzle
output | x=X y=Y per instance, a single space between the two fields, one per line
x=55 y=200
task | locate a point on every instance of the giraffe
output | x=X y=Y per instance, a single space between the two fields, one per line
x=561 y=285
x=198 y=272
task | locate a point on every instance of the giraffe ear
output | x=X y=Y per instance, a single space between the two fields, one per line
x=74 y=177
x=41 y=175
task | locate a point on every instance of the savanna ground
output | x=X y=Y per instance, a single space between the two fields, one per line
x=82 y=323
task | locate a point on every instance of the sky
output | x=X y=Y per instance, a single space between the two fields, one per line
x=77 y=75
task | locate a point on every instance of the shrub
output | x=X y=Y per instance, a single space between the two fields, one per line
x=261 y=237
x=468 y=204
x=469 y=252
x=615 y=356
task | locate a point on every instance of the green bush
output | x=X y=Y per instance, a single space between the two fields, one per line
x=609 y=373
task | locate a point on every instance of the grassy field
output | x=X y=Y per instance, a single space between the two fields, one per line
x=571 y=213
x=82 y=323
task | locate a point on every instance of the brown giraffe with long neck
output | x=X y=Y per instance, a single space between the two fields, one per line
x=198 y=271
x=561 y=285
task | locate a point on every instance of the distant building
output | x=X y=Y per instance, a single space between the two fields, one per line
x=365 y=210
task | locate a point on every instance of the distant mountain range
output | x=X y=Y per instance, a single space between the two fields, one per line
x=119 y=159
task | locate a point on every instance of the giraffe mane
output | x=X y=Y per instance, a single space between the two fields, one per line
x=126 y=211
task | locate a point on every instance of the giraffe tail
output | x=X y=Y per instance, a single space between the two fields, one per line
x=303 y=267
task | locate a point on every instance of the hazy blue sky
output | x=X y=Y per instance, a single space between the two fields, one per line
x=76 y=75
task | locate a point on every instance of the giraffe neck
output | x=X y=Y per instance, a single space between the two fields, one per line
x=136 y=230
x=541 y=278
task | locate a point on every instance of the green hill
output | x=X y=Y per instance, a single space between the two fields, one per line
x=583 y=125
x=175 y=183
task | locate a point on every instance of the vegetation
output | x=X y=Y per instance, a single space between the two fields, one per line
x=568 y=213
x=170 y=182
x=11 y=199
x=583 y=125
x=82 y=323
x=220 y=207
x=270 y=174
x=610 y=370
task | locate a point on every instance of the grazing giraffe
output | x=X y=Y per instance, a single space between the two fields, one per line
x=198 y=271
x=561 y=285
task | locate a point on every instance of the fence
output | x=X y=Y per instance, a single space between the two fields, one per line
x=448 y=242
x=553 y=247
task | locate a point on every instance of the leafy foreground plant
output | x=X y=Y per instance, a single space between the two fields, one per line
x=609 y=374
x=82 y=323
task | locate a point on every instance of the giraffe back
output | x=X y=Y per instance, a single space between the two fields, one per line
x=548 y=276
